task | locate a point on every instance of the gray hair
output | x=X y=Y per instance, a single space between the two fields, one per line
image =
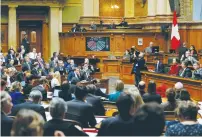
x=35 y=95
x=58 y=107
x=187 y=110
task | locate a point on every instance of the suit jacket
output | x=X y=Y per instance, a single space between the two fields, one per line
x=66 y=127
x=26 y=66
x=95 y=101
x=116 y=126
x=160 y=68
x=182 y=50
x=26 y=45
x=75 y=29
x=62 y=70
x=9 y=57
x=147 y=97
x=35 y=72
x=27 y=89
x=6 y=125
x=139 y=65
x=185 y=73
x=81 y=112
x=197 y=74
x=29 y=105
x=72 y=75
x=42 y=90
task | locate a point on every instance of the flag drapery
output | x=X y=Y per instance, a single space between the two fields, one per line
x=175 y=36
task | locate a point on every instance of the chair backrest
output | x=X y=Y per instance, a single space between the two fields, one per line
x=76 y=123
x=169 y=115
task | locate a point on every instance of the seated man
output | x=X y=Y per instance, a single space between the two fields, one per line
x=148 y=49
x=123 y=23
x=79 y=110
x=33 y=103
x=159 y=67
x=58 y=108
x=75 y=28
x=60 y=68
x=197 y=73
x=93 y=26
x=185 y=72
x=94 y=100
x=122 y=124
x=75 y=73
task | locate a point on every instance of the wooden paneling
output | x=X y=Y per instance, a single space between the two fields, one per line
x=66 y=27
x=74 y=44
x=105 y=9
x=111 y=67
x=140 y=10
x=4 y=38
x=192 y=37
x=45 y=42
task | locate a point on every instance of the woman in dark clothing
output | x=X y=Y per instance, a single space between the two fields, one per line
x=151 y=96
x=171 y=104
x=64 y=93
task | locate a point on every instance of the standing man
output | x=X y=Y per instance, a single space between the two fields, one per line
x=148 y=49
x=138 y=65
x=26 y=44
x=182 y=50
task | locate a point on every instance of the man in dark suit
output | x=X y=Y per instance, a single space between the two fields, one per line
x=58 y=108
x=79 y=110
x=6 y=122
x=138 y=66
x=159 y=67
x=75 y=73
x=123 y=23
x=33 y=103
x=60 y=68
x=185 y=72
x=26 y=44
x=182 y=50
x=26 y=66
x=75 y=28
x=35 y=70
x=122 y=124
x=95 y=101
x=41 y=87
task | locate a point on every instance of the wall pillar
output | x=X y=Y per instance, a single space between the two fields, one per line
x=54 y=30
x=60 y=20
x=90 y=7
x=152 y=5
x=129 y=9
x=12 y=31
x=168 y=10
x=161 y=7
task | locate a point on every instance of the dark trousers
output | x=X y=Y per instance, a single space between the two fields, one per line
x=137 y=79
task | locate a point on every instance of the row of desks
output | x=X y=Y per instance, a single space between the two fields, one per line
x=123 y=71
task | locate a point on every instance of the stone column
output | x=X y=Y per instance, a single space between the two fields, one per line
x=12 y=31
x=161 y=7
x=90 y=7
x=54 y=30
x=152 y=5
x=129 y=8
x=60 y=20
x=168 y=10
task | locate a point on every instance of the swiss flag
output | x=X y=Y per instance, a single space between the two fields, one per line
x=175 y=36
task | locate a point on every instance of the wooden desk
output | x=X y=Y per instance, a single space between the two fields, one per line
x=103 y=83
x=193 y=86
x=111 y=67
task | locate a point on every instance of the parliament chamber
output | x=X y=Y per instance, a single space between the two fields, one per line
x=101 y=67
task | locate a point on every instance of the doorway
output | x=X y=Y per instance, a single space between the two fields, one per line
x=33 y=29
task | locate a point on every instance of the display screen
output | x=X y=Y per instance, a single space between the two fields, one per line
x=97 y=44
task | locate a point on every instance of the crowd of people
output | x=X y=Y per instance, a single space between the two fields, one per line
x=186 y=66
x=138 y=112
x=74 y=106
